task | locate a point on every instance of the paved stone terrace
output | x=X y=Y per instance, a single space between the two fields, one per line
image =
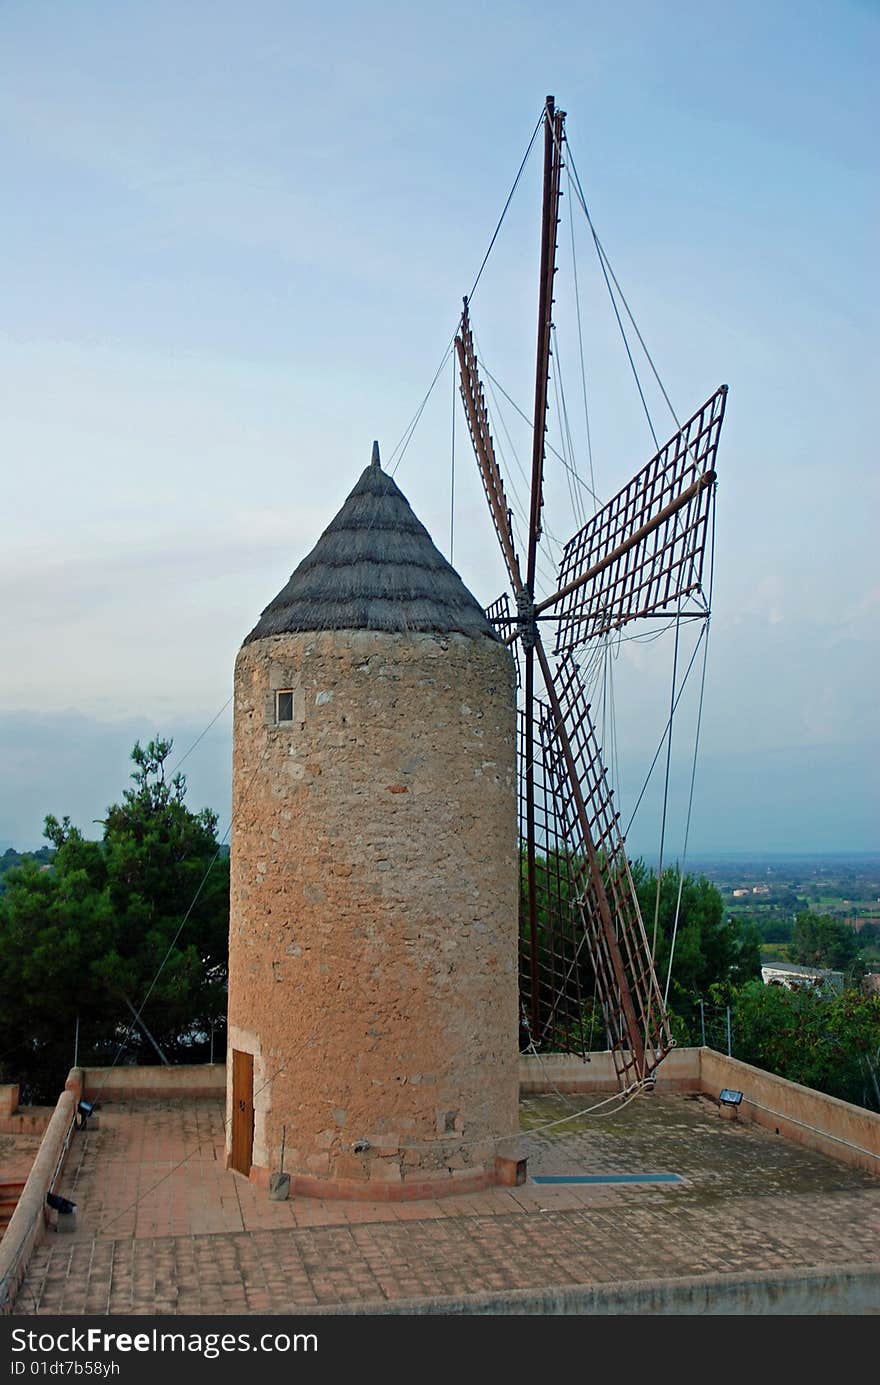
x=164 y=1228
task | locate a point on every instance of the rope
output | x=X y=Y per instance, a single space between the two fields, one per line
x=189 y=752
x=635 y=326
x=566 y=442
x=571 y=471
x=530 y=1048
x=613 y=653
x=607 y=270
x=525 y=159
x=558 y=455
x=624 y=1098
x=519 y=516
x=518 y=508
x=672 y=706
x=577 y=301
x=452 y=471
x=624 y=337
x=131 y=1028
x=195 y=898
x=665 y=730
x=180 y=1163
x=687 y=828
x=406 y=437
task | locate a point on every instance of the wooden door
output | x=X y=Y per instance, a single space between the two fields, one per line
x=242 y=1111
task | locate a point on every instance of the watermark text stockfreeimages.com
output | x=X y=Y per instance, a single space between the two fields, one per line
x=76 y=1342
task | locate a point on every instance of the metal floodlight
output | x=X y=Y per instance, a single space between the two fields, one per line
x=84 y=1109
x=728 y=1097
x=60 y=1204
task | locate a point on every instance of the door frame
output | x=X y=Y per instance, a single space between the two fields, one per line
x=241 y=1152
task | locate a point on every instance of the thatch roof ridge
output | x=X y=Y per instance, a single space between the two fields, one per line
x=375 y=567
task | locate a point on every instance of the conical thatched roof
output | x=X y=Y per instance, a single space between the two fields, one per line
x=375 y=567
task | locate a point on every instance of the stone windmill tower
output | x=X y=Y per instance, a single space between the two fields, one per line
x=375 y=872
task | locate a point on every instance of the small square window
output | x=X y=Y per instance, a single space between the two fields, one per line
x=283 y=707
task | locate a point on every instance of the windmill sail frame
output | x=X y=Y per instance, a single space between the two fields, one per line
x=582 y=936
x=642 y=553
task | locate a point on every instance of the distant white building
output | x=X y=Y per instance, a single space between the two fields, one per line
x=795 y=977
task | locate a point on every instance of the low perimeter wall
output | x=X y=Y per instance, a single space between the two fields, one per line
x=845 y=1132
x=21 y=1120
x=837 y=1290
x=162 y=1083
x=549 y=1072
x=29 y=1218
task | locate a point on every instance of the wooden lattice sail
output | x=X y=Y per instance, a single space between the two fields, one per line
x=642 y=553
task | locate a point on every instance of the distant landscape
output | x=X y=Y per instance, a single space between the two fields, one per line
x=770 y=891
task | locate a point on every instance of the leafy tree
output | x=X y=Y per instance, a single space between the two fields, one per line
x=12 y=859
x=143 y=913
x=789 y=901
x=773 y=929
x=827 y=1041
x=748 y=963
x=822 y=941
x=710 y=949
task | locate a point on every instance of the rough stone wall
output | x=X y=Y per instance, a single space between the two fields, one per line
x=373 y=950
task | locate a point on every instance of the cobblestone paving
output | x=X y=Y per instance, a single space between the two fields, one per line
x=164 y=1228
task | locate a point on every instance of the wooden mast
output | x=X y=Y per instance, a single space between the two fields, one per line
x=553 y=126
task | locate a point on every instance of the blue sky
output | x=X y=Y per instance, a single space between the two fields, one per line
x=234 y=243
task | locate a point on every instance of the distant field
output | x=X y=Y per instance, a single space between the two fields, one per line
x=775 y=952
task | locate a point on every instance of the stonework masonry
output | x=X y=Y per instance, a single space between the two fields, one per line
x=374 y=893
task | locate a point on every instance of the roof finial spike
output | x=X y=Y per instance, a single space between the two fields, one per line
x=374 y=461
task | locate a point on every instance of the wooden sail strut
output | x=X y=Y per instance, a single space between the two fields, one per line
x=646 y=529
